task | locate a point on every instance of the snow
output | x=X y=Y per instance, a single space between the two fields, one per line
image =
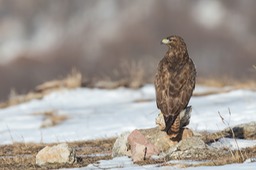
x=244 y=166
x=99 y=113
x=92 y=113
x=234 y=144
x=115 y=163
x=125 y=163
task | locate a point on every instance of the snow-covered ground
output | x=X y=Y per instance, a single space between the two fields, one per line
x=127 y=164
x=98 y=113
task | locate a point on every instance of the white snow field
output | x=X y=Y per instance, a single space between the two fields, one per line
x=99 y=113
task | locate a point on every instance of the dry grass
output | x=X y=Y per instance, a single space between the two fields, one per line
x=231 y=158
x=73 y=80
x=130 y=75
x=212 y=92
x=221 y=83
x=51 y=118
x=235 y=84
x=22 y=156
x=228 y=158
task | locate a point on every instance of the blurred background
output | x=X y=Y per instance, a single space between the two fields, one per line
x=44 y=39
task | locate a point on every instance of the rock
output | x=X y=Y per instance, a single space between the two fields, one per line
x=160 y=121
x=242 y=131
x=145 y=143
x=141 y=148
x=60 y=153
x=121 y=146
x=191 y=143
x=187 y=133
x=192 y=148
x=158 y=138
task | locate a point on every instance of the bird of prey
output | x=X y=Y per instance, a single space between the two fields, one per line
x=174 y=84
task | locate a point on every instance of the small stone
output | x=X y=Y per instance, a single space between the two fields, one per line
x=121 y=146
x=187 y=133
x=160 y=121
x=60 y=153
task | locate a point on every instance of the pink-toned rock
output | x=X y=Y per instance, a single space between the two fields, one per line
x=141 y=148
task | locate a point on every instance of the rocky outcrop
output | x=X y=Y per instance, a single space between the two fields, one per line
x=142 y=144
x=192 y=145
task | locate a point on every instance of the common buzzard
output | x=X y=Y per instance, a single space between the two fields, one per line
x=174 y=84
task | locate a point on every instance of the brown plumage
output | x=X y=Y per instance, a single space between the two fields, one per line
x=174 y=83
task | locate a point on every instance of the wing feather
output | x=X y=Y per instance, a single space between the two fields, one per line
x=174 y=87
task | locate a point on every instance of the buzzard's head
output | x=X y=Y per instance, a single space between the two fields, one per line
x=174 y=42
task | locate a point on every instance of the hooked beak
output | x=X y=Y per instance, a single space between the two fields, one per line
x=165 y=41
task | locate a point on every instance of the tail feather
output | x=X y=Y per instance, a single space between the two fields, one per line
x=174 y=124
x=168 y=123
x=175 y=128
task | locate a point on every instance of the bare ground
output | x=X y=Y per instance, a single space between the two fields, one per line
x=23 y=155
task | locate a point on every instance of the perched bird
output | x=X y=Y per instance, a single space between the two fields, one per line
x=174 y=84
